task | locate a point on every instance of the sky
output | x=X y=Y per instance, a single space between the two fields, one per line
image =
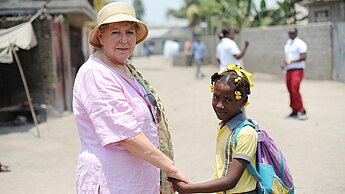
x=155 y=10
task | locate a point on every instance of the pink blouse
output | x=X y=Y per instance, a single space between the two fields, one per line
x=108 y=109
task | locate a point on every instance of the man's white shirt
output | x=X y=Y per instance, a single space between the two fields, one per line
x=293 y=49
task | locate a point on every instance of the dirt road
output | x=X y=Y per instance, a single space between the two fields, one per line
x=315 y=148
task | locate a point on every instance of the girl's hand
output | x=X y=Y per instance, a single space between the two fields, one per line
x=177 y=184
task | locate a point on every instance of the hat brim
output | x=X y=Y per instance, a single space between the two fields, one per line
x=141 y=33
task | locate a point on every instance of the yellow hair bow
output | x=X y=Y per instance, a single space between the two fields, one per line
x=239 y=71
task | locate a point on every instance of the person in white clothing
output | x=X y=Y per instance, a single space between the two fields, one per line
x=295 y=51
x=227 y=50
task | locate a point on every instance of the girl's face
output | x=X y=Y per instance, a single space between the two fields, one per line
x=118 y=41
x=224 y=103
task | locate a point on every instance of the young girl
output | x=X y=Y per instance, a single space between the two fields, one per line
x=230 y=94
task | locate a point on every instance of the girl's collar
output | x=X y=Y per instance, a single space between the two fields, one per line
x=236 y=120
x=232 y=124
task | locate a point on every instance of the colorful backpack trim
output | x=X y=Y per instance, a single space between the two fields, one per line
x=272 y=172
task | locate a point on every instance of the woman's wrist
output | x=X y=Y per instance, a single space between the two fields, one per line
x=171 y=168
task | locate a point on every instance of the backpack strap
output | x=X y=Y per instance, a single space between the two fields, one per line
x=238 y=129
x=250 y=167
x=254 y=172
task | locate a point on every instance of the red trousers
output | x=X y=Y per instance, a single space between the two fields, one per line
x=293 y=81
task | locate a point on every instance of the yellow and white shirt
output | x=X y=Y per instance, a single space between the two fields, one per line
x=245 y=149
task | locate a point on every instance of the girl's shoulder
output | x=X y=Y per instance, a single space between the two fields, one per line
x=247 y=132
x=248 y=129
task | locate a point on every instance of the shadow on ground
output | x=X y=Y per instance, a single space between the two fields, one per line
x=6 y=128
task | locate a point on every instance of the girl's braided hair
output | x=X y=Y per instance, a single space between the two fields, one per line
x=235 y=77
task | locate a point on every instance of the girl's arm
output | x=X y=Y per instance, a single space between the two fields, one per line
x=141 y=146
x=235 y=172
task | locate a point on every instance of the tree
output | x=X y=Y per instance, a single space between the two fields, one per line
x=266 y=17
x=285 y=13
x=139 y=9
x=189 y=11
x=236 y=14
x=288 y=11
x=216 y=13
x=97 y=4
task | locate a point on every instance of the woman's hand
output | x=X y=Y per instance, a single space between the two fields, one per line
x=178 y=176
x=177 y=179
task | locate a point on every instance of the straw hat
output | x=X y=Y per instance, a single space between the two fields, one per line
x=117 y=12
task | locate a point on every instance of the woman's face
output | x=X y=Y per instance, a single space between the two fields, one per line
x=118 y=41
x=224 y=103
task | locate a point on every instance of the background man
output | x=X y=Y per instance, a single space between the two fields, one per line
x=295 y=55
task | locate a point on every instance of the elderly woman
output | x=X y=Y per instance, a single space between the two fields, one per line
x=117 y=113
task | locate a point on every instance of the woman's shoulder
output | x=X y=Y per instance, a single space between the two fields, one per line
x=94 y=71
x=91 y=62
x=95 y=66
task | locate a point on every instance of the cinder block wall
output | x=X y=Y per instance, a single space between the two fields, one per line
x=266 y=50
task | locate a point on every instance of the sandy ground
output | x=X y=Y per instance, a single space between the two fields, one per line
x=315 y=148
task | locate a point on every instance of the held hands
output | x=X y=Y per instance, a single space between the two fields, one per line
x=178 y=175
x=177 y=184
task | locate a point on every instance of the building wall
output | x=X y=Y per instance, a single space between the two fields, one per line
x=333 y=11
x=47 y=67
x=325 y=56
x=35 y=63
x=265 y=53
x=61 y=64
x=339 y=51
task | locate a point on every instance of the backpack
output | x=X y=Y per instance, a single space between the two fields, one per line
x=272 y=173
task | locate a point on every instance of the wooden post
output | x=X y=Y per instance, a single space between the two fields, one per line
x=26 y=89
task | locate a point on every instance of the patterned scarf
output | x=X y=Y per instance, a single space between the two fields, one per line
x=163 y=129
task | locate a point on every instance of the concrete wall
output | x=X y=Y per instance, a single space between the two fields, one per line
x=325 y=56
x=265 y=52
x=339 y=51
